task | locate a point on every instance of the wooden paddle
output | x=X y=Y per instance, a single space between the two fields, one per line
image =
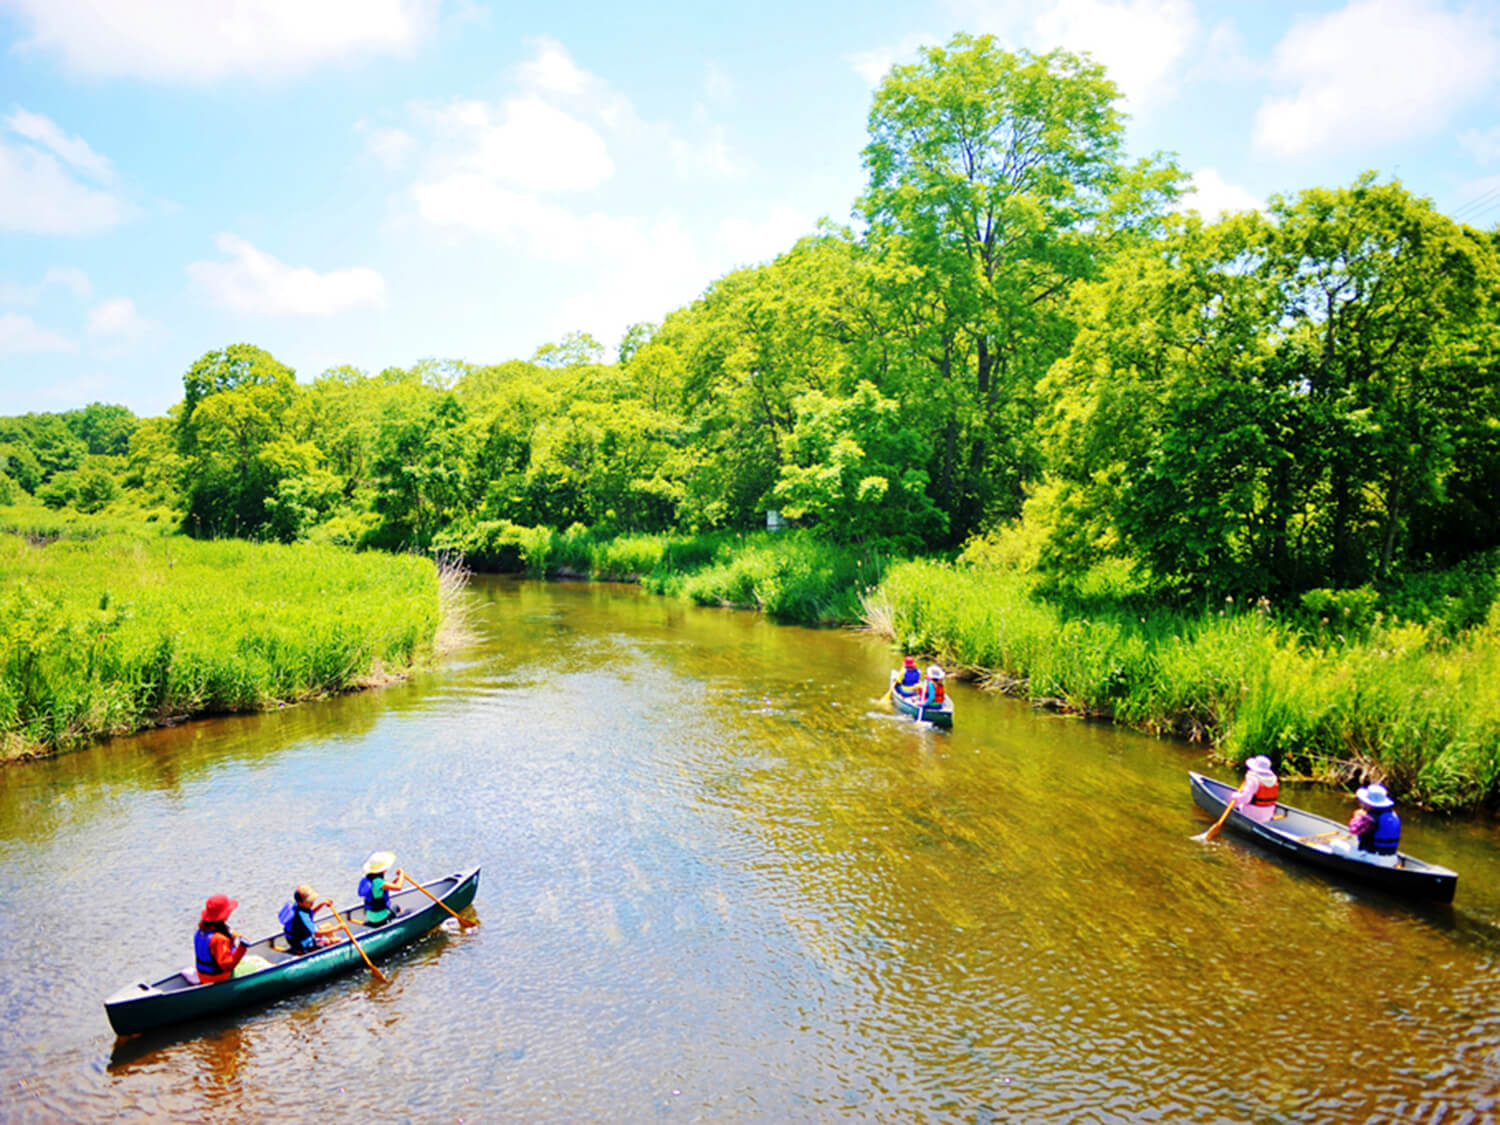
x=1210 y=833
x=1320 y=835
x=345 y=927
x=886 y=698
x=466 y=923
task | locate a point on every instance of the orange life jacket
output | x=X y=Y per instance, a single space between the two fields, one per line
x=1266 y=794
x=937 y=692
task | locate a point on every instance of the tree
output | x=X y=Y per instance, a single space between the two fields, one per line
x=995 y=181
x=857 y=468
x=235 y=402
x=1284 y=401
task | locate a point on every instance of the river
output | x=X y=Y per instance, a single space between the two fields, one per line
x=722 y=883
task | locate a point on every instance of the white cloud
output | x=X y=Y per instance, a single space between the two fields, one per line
x=717 y=85
x=548 y=231
x=874 y=64
x=525 y=142
x=74 y=150
x=20 y=334
x=552 y=71
x=255 y=283
x=198 y=41
x=1483 y=146
x=1139 y=41
x=71 y=278
x=74 y=280
x=1212 y=196
x=117 y=319
x=1373 y=73
x=747 y=241
x=391 y=147
x=40 y=194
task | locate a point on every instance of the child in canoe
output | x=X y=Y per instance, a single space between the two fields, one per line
x=374 y=888
x=910 y=680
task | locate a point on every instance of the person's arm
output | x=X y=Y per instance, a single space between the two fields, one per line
x=227 y=950
x=1246 y=793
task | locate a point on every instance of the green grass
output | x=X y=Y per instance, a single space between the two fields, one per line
x=112 y=632
x=792 y=576
x=1413 y=704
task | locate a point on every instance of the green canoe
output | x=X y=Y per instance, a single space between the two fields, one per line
x=142 y=1007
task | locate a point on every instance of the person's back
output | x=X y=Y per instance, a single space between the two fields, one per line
x=1257 y=796
x=910 y=677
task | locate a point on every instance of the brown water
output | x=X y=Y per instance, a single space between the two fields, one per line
x=720 y=883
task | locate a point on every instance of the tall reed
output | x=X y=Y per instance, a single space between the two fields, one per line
x=110 y=634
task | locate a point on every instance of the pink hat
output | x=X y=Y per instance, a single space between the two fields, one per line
x=910 y=662
x=218 y=908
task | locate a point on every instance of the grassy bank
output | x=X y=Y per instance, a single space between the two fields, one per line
x=1347 y=693
x=110 y=631
x=791 y=576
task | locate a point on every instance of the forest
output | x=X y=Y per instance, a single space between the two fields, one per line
x=1018 y=358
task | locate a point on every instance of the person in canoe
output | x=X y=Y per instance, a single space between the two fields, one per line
x=1374 y=829
x=303 y=935
x=910 y=680
x=933 y=694
x=1256 y=796
x=374 y=888
x=217 y=951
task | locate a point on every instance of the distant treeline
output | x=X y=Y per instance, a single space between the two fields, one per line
x=1019 y=332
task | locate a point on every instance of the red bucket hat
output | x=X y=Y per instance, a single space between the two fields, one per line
x=910 y=662
x=218 y=908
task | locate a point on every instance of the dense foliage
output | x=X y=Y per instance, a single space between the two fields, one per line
x=1299 y=404
x=115 y=631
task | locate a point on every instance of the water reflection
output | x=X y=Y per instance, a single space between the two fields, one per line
x=722 y=883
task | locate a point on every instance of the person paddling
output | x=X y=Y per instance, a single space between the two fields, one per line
x=303 y=935
x=933 y=694
x=1257 y=794
x=217 y=951
x=376 y=886
x=911 y=679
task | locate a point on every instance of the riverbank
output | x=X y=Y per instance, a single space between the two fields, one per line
x=1355 y=696
x=110 y=631
x=1340 y=687
x=794 y=577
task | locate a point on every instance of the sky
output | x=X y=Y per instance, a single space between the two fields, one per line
x=378 y=182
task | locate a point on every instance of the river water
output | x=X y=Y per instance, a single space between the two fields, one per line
x=722 y=883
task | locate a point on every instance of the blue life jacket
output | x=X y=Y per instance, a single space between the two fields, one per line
x=1385 y=837
x=377 y=902
x=204 y=954
x=297 y=924
x=910 y=677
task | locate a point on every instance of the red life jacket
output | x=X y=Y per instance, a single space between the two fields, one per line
x=937 y=693
x=1266 y=794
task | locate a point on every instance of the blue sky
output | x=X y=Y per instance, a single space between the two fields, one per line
x=374 y=182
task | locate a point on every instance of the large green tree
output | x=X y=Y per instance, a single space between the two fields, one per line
x=996 y=179
x=1285 y=400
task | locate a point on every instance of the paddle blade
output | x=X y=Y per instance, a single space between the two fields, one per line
x=1209 y=833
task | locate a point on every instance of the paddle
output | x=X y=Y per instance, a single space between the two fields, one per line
x=1320 y=835
x=345 y=927
x=886 y=698
x=462 y=921
x=1209 y=834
